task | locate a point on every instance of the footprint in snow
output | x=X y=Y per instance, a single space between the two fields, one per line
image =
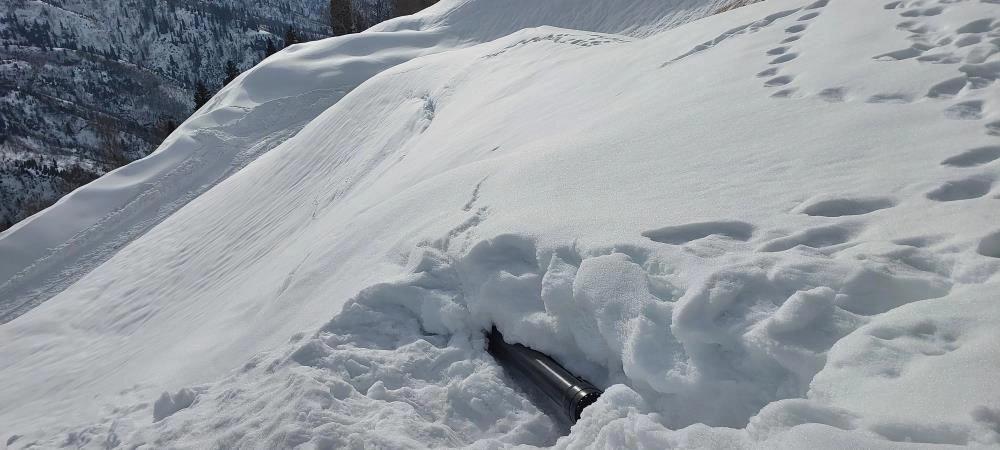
x=845 y=206
x=967 y=44
x=987 y=72
x=948 y=88
x=833 y=95
x=974 y=157
x=785 y=93
x=767 y=72
x=978 y=26
x=819 y=237
x=784 y=58
x=993 y=128
x=985 y=415
x=895 y=98
x=900 y=55
x=940 y=58
x=752 y=27
x=779 y=81
x=818 y=5
x=682 y=234
x=964 y=189
x=970 y=110
x=923 y=12
x=990 y=245
x=926 y=336
x=966 y=41
x=920 y=241
x=784 y=54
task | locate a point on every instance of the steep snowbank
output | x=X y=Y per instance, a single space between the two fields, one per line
x=772 y=227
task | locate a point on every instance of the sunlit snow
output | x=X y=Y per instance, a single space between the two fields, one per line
x=773 y=227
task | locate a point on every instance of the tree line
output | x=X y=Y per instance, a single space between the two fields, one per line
x=345 y=17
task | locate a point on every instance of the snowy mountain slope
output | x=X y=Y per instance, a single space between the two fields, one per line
x=261 y=109
x=63 y=244
x=774 y=227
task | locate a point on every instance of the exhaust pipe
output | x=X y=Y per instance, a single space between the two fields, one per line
x=569 y=393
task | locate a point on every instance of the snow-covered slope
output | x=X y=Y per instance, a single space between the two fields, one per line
x=772 y=227
x=287 y=91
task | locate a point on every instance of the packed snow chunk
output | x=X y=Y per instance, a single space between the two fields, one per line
x=802 y=329
x=624 y=324
x=801 y=310
x=875 y=289
x=168 y=403
x=780 y=416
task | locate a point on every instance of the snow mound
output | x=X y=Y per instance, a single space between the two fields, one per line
x=766 y=228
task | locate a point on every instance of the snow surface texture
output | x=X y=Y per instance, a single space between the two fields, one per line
x=775 y=227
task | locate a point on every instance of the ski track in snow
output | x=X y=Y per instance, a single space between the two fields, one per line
x=845 y=316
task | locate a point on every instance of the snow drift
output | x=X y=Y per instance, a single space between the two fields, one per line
x=775 y=227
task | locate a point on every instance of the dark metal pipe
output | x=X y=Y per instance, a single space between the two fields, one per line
x=570 y=393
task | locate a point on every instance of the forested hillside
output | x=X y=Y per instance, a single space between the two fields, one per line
x=87 y=86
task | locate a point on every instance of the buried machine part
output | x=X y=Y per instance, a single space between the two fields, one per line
x=570 y=393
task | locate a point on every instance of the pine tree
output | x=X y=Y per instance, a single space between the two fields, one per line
x=341 y=17
x=231 y=72
x=168 y=126
x=270 y=49
x=292 y=37
x=201 y=95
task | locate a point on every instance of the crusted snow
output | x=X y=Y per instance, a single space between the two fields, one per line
x=774 y=227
